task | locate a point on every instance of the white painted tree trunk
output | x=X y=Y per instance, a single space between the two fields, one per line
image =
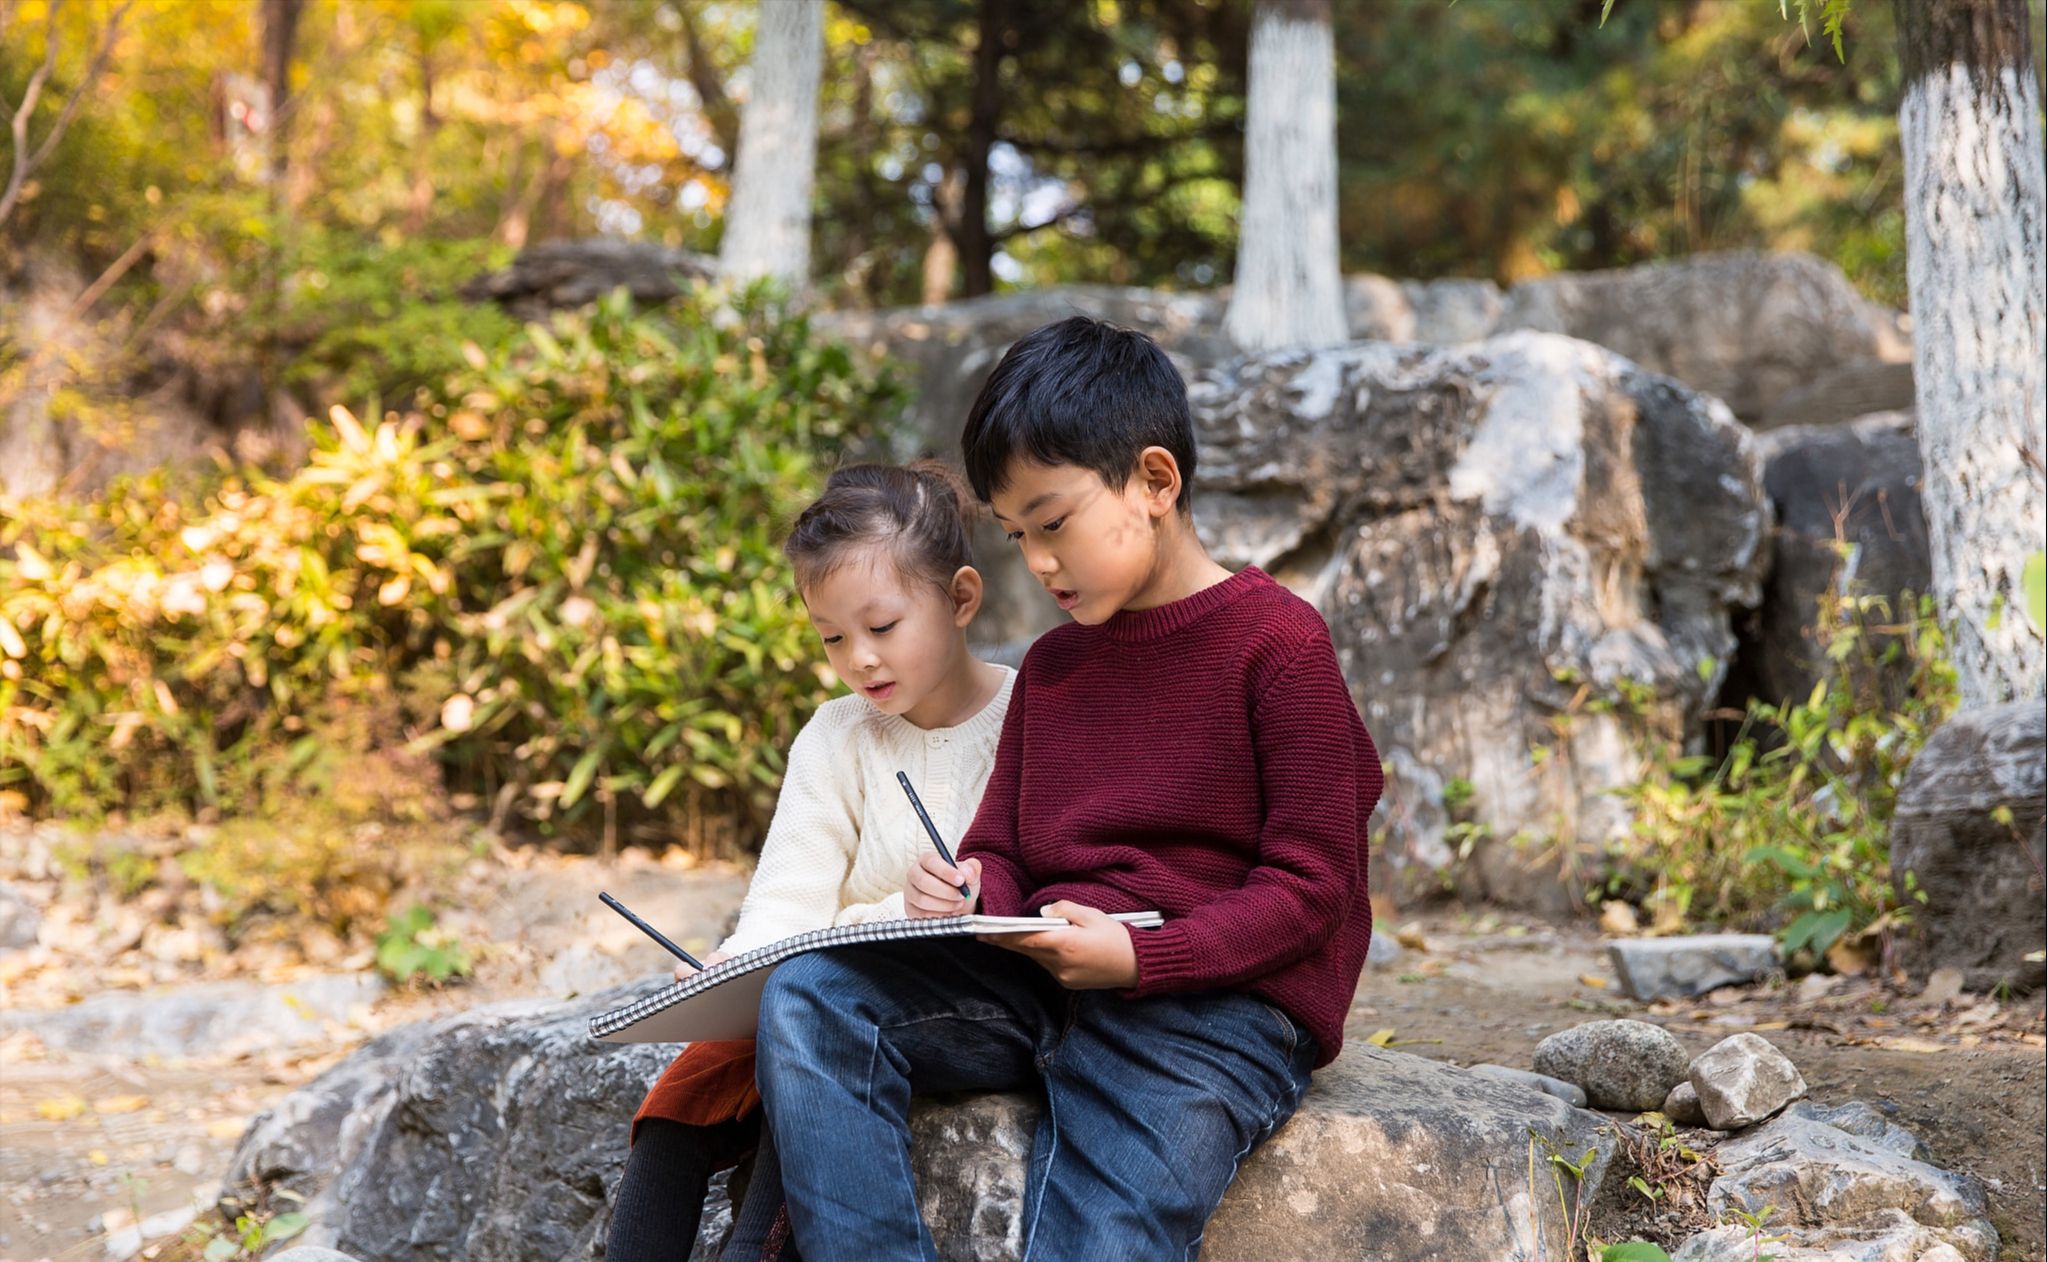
x=767 y=221
x=1976 y=260
x=1289 y=283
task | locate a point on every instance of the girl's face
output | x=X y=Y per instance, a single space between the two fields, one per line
x=895 y=641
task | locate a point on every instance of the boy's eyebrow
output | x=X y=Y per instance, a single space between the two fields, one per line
x=1029 y=508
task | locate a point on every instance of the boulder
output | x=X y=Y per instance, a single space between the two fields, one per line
x=557 y=274
x=1569 y=1092
x=1836 y=1195
x=499 y=1133
x=1743 y=1079
x=1620 y=1064
x=1753 y=329
x=1856 y=483
x=1438 y=312
x=1865 y=1122
x=202 y=1018
x=1655 y=968
x=1526 y=541
x=1981 y=874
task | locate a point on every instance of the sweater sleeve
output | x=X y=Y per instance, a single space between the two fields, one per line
x=992 y=837
x=1311 y=846
x=811 y=838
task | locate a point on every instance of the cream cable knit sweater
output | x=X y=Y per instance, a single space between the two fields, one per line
x=843 y=833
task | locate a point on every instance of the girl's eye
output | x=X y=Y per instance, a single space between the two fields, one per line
x=1014 y=535
x=833 y=639
x=883 y=630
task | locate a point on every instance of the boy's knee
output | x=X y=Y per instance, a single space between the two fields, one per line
x=794 y=1001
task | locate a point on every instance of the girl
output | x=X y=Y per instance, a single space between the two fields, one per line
x=883 y=566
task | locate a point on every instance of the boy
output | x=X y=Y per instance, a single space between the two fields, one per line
x=1188 y=744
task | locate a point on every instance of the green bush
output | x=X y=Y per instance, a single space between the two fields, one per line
x=563 y=572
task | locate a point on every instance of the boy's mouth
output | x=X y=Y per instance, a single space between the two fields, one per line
x=1066 y=599
x=879 y=692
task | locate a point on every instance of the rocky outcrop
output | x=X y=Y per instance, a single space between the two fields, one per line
x=1522 y=544
x=558 y=274
x=498 y=1134
x=1970 y=829
x=1845 y=499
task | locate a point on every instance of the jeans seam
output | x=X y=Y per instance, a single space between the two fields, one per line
x=1030 y=1233
x=909 y=1176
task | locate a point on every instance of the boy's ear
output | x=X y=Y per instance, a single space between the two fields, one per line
x=966 y=593
x=1158 y=477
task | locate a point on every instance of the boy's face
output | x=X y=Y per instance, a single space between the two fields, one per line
x=1094 y=548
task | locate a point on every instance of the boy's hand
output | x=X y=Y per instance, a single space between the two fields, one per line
x=683 y=972
x=932 y=887
x=1092 y=952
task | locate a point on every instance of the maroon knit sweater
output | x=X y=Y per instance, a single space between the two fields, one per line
x=1203 y=758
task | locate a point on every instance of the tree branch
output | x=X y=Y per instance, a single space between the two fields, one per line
x=24 y=162
x=1119 y=145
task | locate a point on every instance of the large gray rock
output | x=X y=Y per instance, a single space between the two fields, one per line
x=1500 y=534
x=201 y=1019
x=1831 y=485
x=557 y=274
x=1743 y=1079
x=1834 y=1190
x=1753 y=329
x=1981 y=876
x=1620 y=1064
x=498 y=1134
x=1439 y=312
x=1886 y=1236
x=1653 y=968
x=1866 y=1123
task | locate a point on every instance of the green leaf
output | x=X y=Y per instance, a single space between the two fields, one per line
x=1633 y=1251
x=2033 y=583
x=658 y=791
x=579 y=778
x=1817 y=928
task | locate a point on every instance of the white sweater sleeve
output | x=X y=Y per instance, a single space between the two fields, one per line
x=811 y=838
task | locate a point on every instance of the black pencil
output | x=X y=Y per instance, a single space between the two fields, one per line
x=652 y=932
x=916 y=804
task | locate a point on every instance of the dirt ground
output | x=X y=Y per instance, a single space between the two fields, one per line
x=149 y=1141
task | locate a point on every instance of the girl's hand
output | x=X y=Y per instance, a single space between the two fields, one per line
x=683 y=972
x=1090 y=952
x=932 y=887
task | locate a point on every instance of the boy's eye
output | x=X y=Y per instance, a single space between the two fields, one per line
x=883 y=630
x=1052 y=527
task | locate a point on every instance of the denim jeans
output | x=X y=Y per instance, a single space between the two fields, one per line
x=1151 y=1103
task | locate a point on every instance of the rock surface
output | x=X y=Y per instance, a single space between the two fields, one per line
x=1619 y=1064
x=497 y=1134
x=1682 y=1105
x=1857 y=483
x=1981 y=876
x=204 y=1018
x=1569 y=1092
x=1743 y=1079
x=1488 y=529
x=1837 y=1195
x=1653 y=968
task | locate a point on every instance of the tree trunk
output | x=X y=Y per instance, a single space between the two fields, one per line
x=280 y=33
x=767 y=222
x=1289 y=286
x=976 y=245
x=1976 y=261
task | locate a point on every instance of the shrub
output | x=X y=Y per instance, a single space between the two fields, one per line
x=562 y=573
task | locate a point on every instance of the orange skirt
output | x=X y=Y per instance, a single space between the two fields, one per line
x=707 y=1084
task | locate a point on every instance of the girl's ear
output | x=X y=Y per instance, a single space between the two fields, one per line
x=966 y=593
x=1158 y=474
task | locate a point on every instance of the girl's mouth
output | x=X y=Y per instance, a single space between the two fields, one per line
x=1066 y=600
x=880 y=692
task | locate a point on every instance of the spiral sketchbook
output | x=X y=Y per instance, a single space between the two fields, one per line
x=723 y=1001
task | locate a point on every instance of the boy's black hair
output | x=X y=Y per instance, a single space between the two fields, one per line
x=1079 y=392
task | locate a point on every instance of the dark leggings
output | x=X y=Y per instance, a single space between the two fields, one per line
x=659 y=1204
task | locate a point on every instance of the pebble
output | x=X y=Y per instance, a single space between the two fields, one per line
x=1619 y=1064
x=1743 y=1079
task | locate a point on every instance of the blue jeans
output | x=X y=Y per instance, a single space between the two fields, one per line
x=1151 y=1104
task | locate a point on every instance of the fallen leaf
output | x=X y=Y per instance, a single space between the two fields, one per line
x=1906 y=1043
x=120 y=1104
x=1982 y=1014
x=1771 y=1025
x=60 y=1109
x=1852 y=958
x=1410 y=936
x=1380 y=1038
x=226 y=1128
x=97 y=1157
x=1587 y=979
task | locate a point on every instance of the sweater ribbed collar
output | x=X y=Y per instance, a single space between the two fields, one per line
x=1131 y=625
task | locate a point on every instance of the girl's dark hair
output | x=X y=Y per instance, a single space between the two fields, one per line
x=917 y=512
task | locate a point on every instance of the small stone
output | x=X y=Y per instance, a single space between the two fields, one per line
x=1568 y=1092
x=1943 y=985
x=1814 y=987
x=1384 y=949
x=1620 y=1064
x=1410 y=936
x=19 y=921
x=1742 y=1079
x=1682 y=1105
x=1657 y=968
